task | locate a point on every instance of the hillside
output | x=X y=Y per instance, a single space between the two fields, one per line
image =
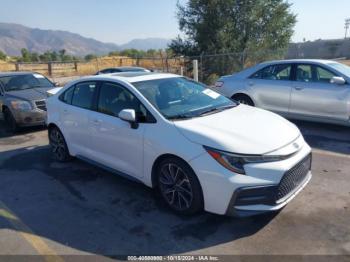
x=14 y=37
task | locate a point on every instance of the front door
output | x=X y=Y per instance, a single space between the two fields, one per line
x=314 y=95
x=115 y=143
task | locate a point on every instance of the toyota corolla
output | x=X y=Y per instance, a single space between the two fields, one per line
x=200 y=149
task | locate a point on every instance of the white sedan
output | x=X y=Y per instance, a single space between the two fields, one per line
x=198 y=148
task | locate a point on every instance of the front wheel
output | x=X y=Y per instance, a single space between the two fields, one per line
x=58 y=145
x=244 y=99
x=179 y=186
x=10 y=121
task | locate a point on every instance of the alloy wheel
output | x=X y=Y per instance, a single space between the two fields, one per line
x=58 y=144
x=175 y=186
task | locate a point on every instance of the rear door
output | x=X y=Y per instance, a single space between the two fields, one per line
x=271 y=87
x=313 y=94
x=75 y=114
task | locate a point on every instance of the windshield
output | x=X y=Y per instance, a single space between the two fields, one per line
x=344 y=69
x=180 y=98
x=21 y=82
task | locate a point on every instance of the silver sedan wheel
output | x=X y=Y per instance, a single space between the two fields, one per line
x=175 y=187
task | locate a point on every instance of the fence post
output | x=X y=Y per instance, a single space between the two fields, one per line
x=181 y=70
x=49 y=68
x=17 y=66
x=76 y=66
x=201 y=63
x=120 y=61
x=195 y=70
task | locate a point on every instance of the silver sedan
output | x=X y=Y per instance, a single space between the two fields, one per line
x=314 y=90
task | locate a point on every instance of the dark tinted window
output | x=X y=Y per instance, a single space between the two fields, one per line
x=114 y=98
x=83 y=95
x=67 y=95
x=274 y=72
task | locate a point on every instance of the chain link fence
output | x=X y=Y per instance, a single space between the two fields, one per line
x=210 y=66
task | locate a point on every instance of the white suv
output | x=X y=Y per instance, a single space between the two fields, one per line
x=200 y=149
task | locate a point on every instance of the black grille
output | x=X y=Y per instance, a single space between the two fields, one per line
x=41 y=105
x=293 y=178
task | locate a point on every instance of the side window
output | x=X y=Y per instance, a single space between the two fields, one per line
x=114 y=98
x=83 y=95
x=67 y=95
x=274 y=72
x=304 y=73
x=323 y=75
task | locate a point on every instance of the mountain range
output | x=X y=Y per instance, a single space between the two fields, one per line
x=14 y=37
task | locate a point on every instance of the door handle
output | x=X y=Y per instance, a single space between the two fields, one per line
x=65 y=111
x=250 y=83
x=298 y=88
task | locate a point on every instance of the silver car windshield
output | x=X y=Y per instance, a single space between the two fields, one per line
x=344 y=69
x=181 y=98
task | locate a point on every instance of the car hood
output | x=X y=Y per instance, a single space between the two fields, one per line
x=242 y=129
x=31 y=94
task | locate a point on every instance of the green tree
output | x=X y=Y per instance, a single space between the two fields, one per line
x=2 y=55
x=233 y=26
x=62 y=53
x=90 y=57
x=26 y=56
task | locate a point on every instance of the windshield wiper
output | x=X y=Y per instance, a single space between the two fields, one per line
x=216 y=109
x=180 y=116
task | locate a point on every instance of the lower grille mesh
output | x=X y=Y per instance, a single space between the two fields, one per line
x=293 y=178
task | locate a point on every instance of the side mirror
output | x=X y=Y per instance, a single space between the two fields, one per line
x=338 y=80
x=129 y=115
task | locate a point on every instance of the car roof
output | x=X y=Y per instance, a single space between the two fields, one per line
x=124 y=68
x=130 y=77
x=319 y=61
x=16 y=73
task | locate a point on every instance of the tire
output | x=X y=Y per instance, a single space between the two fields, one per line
x=58 y=145
x=243 y=99
x=179 y=186
x=10 y=121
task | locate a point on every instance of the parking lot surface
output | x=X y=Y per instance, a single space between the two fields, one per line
x=75 y=208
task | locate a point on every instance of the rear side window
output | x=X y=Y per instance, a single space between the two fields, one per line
x=67 y=95
x=274 y=72
x=83 y=95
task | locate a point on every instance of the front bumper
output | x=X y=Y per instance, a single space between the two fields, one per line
x=222 y=187
x=34 y=117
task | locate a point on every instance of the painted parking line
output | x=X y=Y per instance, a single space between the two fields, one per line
x=35 y=241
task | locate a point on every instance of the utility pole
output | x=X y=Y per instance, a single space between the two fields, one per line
x=347 y=25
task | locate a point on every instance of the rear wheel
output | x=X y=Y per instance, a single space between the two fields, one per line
x=243 y=99
x=10 y=120
x=58 y=145
x=179 y=186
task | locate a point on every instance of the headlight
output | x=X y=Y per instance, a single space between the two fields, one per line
x=236 y=162
x=21 y=105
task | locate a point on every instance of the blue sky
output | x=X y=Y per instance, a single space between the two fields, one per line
x=119 y=21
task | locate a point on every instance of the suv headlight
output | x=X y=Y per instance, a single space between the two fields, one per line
x=21 y=105
x=236 y=162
